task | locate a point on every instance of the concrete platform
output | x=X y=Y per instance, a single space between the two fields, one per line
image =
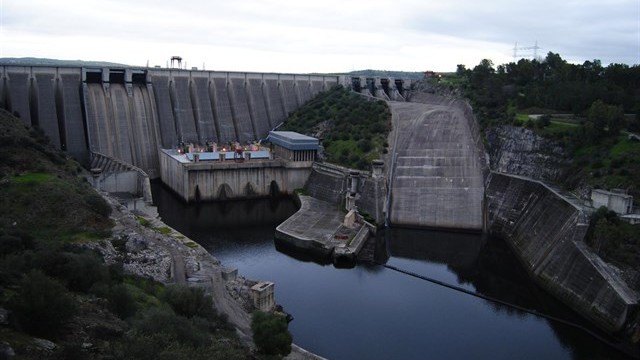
x=317 y=228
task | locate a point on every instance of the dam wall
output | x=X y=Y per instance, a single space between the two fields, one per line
x=130 y=113
x=327 y=183
x=546 y=229
x=379 y=87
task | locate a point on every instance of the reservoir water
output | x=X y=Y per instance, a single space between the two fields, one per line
x=371 y=312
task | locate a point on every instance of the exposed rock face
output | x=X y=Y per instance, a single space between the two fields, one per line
x=519 y=151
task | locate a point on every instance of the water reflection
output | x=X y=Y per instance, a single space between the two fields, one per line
x=370 y=312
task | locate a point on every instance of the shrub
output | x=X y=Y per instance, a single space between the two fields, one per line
x=270 y=333
x=78 y=271
x=544 y=121
x=41 y=305
x=189 y=301
x=164 y=322
x=364 y=145
x=121 y=301
x=98 y=204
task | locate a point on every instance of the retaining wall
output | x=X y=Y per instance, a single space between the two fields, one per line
x=546 y=229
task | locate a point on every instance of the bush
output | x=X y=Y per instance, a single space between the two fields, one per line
x=14 y=242
x=98 y=204
x=172 y=327
x=364 y=145
x=270 y=333
x=41 y=305
x=544 y=121
x=121 y=301
x=189 y=301
x=79 y=271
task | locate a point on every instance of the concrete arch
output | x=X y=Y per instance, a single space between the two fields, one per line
x=224 y=192
x=274 y=189
x=250 y=190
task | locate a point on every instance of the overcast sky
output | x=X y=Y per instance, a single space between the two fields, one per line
x=319 y=36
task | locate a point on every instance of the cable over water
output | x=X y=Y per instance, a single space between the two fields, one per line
x=617 y=345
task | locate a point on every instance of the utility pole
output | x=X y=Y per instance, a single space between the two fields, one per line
x=535 y=49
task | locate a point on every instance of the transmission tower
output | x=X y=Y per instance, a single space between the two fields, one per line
x=535 y=49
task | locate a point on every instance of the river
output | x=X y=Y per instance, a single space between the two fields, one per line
x=371 y=312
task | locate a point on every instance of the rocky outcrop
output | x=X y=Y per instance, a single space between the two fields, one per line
x=519 y=151
x=149 y=248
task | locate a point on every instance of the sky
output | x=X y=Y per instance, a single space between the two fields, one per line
x=328 y=36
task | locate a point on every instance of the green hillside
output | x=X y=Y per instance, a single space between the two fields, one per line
x=53 y=288
x=353 y=128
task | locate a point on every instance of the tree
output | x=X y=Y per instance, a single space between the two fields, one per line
x=189 y=301
x=607 y=120
x=270 y=333
x=42 y=304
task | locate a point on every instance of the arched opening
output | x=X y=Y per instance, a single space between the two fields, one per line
x=274 y=189
x=385 y=86
x=355 y=84
x=399 y=86
x=250 y=190
x=224 y=192
x=371 y=85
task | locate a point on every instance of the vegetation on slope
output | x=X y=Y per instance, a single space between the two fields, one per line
x=593 y=129
x=353 y=129
x=615 y=241
x=56 y=289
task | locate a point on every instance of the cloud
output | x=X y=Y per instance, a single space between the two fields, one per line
x=332 y=35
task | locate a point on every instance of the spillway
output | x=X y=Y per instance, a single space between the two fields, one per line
x=166 y=120
x=258 y=109
x=437 y=172
x=226 y=127
x=45 y=106
x=183 y=109
x=289 y=98
x=241 y=113
x=18 y=95
x=202 y=109
x=275 y=104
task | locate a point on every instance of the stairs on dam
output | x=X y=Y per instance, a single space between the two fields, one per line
x=436 y=174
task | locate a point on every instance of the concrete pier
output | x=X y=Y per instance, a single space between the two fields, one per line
x=318 y=229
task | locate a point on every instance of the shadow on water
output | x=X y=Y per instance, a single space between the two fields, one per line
x=489 y=266
x=373 y=300
x=285 y=249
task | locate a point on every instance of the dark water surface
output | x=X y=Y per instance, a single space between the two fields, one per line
x=371 y=312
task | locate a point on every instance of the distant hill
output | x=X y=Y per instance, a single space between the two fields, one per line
x=30 y=61
x=388 y=73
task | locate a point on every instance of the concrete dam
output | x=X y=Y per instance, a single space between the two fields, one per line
x=437 y=172
x=131 y=113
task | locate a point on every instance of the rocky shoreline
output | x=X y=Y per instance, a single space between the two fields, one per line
x=149 y=248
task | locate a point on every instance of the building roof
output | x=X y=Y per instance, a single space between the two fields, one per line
x=611 y=193
x=293 y=140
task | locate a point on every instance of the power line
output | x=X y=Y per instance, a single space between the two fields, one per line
x=535 y=49
x=616 y=345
